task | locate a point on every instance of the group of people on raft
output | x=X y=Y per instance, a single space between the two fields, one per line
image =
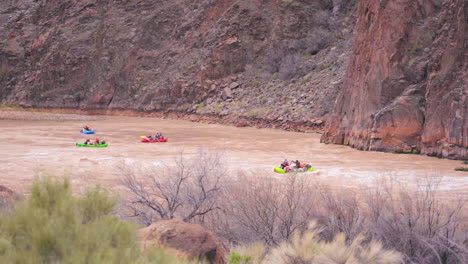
x=96 y=141
x=296 y=167
x=157 y=136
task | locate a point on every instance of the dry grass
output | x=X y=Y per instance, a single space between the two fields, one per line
x=307 y=247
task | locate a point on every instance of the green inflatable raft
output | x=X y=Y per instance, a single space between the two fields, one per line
x=307 y=168
x=92 y=146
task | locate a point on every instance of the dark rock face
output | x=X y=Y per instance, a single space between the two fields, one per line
x=406 y=85
x=189 y=240
x=171 y=55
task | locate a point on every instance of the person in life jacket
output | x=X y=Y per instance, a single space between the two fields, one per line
x=157 y=136
x=285 y=164
x=87 y=141
x=86 y=128
x=298 y=164
x=96 y=142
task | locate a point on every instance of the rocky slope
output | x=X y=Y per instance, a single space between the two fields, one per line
x=406 y=86
x=267 y=59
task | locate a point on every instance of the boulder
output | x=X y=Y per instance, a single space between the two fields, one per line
x=187 y=240
x=227 y=93
x=234 y=85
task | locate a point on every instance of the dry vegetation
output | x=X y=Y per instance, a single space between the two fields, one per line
x=54 y=227
x=418 y=223
x=292 y=219
x=191 y=189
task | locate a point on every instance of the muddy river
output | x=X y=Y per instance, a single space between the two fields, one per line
x=33 y=147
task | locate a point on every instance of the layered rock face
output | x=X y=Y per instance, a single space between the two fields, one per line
x=406 y=85
x=258 y=58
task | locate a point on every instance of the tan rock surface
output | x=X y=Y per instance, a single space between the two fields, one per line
x=187 y=239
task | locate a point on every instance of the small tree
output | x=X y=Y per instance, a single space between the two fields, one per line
x=188 y=190
x=53 y=227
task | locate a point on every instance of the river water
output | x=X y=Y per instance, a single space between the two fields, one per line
x=30 y=148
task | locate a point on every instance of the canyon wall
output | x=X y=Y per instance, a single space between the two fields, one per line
x=268 y=59
x=384 y=75
x=406 y=85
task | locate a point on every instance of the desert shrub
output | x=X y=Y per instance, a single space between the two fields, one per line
x=237 y=258
x=418 y=223
x=248 y=254
x=305 y=80
x=258 y=111
x=251 y=208
x=200 y=106
x=217 y=108
x=338 y=212
x=189 y=189
x=411 y=220
x=307 y=247
x=270 y=211
x=52 y=226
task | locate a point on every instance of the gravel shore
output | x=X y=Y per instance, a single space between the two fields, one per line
x=11 y=114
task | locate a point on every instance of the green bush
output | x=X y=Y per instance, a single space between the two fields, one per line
x=52 y=226
x=305 y=80
x=200 y=106
x=248 y=254
x=237 y=258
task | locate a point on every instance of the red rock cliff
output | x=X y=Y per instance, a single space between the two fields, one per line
x=406 y=85
x=257 y=58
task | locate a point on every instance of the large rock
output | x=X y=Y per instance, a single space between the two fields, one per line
x=187 y=239
x=226 y=94
x=406 y=85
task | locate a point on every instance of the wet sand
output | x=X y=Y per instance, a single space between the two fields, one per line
x=30 y=147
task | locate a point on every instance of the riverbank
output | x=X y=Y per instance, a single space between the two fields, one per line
x=19 y=113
